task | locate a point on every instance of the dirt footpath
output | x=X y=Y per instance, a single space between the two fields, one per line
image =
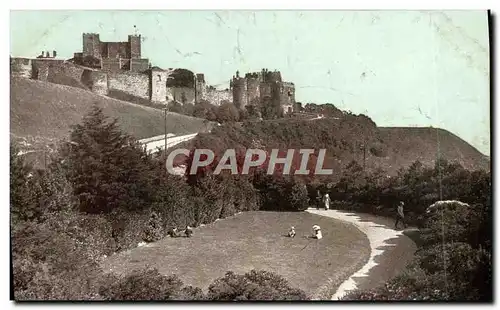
x=391 y=251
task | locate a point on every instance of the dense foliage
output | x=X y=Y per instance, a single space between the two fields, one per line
x=453 y=261
x=254 y=285
x=103 y=193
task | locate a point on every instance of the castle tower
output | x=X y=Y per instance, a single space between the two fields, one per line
x=200 y=87
x=239 y=86
x=91 y=45
x=158 y=80
x=134 y=42
x=253 y=88
x=287 y=97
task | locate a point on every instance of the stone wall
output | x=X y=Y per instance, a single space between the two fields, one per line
x=41 y=67
x=21 y=67
x=66 y=69
x=177 y=94
x=136 y=84
x=111 y=64
x=216 y=97
x=139 y=65
x=253 y=90
x=287 y=97
x=96 y=81
x=265 y=90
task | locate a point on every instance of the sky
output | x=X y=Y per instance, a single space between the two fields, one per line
x=401 y=68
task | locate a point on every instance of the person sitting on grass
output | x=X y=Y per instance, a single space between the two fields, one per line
x=188 y=232
x=317 y=232
x=174 y=233
x=291 y=233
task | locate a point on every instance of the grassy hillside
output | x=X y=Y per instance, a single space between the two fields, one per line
x=46 y=110
x=408 y=144
x=348 y=138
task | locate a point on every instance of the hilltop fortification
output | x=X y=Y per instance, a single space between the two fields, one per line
x=111 y=68
x=263 y=87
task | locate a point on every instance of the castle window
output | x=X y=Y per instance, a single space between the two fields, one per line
x=159 y=77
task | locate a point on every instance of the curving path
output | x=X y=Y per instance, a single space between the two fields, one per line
x=390 y=250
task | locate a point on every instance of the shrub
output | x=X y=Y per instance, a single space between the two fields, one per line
x=149 y=284
x=23 y=189
x=154 y=229
x=254 y=285
x=49 y=263
x=227 y=112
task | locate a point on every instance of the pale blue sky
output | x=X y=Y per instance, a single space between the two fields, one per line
x=401 y=68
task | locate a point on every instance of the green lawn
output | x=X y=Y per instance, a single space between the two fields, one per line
x=256 y=240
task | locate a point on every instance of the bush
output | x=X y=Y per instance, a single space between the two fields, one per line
x=154 y=229
x=23 y=188
x=149 y=284
x=203 y=109
x=254 y=285
x=49 y=263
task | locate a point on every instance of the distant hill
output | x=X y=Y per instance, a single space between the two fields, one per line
x=42 y=112
x=411 y=143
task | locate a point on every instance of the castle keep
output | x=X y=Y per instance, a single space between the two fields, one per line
x=118 y=67
x=114 y=56
x=265 y=87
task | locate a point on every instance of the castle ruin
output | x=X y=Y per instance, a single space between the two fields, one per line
x=113 y=56
x=106 y=67
x=265 y=87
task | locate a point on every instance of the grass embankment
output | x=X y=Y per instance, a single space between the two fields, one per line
x=257 y=240
x=41 y=113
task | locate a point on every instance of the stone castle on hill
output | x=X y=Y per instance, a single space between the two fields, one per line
x=114 y=55
x=119 y=69
x=263 y=87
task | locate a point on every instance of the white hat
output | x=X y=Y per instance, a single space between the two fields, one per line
x=316 y=227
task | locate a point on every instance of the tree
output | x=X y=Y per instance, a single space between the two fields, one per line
x=203 y=109
x=21 y=193
x=227 y=112
x=107 y=168
x=270 y=109
x=252 y=112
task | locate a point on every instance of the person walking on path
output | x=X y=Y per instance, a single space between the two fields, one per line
x=326 y=201
x=400 y=215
